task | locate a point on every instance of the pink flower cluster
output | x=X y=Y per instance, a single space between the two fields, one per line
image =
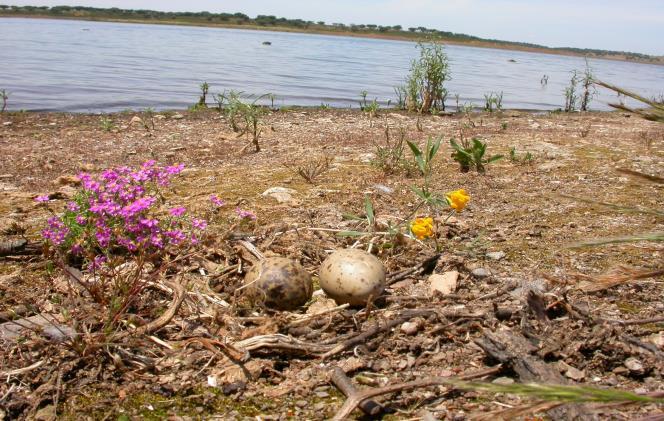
x=116 y=209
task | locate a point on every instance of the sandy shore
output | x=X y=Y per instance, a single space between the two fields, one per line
x=518 y=211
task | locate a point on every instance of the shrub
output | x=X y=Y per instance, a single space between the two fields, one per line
x=571 y=96
x=113 y=230
x=244 y=117
x=425 y=90
x=493 y=101
x=589 y=90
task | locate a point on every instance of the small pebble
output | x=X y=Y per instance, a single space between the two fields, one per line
x=480 y=273
x=383 y=189
x=620 y=370
x=496 y=255
x=301 y=403
x=410 y=328
x=504 y=381
x=634 y=366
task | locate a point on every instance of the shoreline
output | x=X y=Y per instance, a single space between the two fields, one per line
x=393 y=37
x=449 y=112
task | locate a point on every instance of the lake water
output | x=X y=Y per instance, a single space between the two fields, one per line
x=78 y=66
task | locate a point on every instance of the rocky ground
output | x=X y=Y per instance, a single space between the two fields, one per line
x=520 y=304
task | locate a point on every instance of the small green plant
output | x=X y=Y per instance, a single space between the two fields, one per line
x=471 y=154
x=244 y=117
x=324 y=106
x=425 y=86
x=424 y=158
x=515 y=158
x=589 y=90
x=221 y=99
x=272 y=98
x=4 y=96
x=571 y=95
x=503 y=125
x=202 y=100
x=106 y=124
x=390 y=157
x=493 y=100
x=147 y=119
x=400 y=92
x=372 y=108
x=363 y=100
x=312 y=169
x=467 y=108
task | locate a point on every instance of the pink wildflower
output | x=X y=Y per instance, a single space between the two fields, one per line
x=178 y=211
x=200 y=224
x=244 y=214
x=73 y=206
x=216 y=201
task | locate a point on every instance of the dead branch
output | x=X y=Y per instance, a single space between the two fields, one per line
x=344 y=384
x=161 y=321
x=427 y=264
x=283 y=342
x=22 y=370
x=309 y=317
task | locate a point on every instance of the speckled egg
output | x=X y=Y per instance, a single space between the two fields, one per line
x=279 y=283
x=352 y=276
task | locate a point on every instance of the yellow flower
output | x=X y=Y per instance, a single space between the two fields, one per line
x=422 y=228
x=458 y=199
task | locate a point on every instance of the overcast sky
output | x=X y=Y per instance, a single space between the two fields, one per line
x=634 y=25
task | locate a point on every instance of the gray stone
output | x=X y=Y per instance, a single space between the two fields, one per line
x=496 y=255
x=634 y=366
x=383 y=189
x=45 y=324
x=177 y=116
x=574 y=373
x=504 y=381
x=481 y=273
x=280 y=194
x=410 y=328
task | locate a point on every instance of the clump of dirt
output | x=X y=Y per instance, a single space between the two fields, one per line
x=520 y=305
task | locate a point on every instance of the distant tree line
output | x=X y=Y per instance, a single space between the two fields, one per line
x=208 y=18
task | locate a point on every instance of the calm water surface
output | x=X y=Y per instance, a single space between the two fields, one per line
x=78 y=66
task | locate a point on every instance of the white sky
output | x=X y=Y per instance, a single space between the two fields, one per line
x=635 y=25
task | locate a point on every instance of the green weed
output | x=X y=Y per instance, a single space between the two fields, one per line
x=471 y=154
x=4 y=96
x=425 y=86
